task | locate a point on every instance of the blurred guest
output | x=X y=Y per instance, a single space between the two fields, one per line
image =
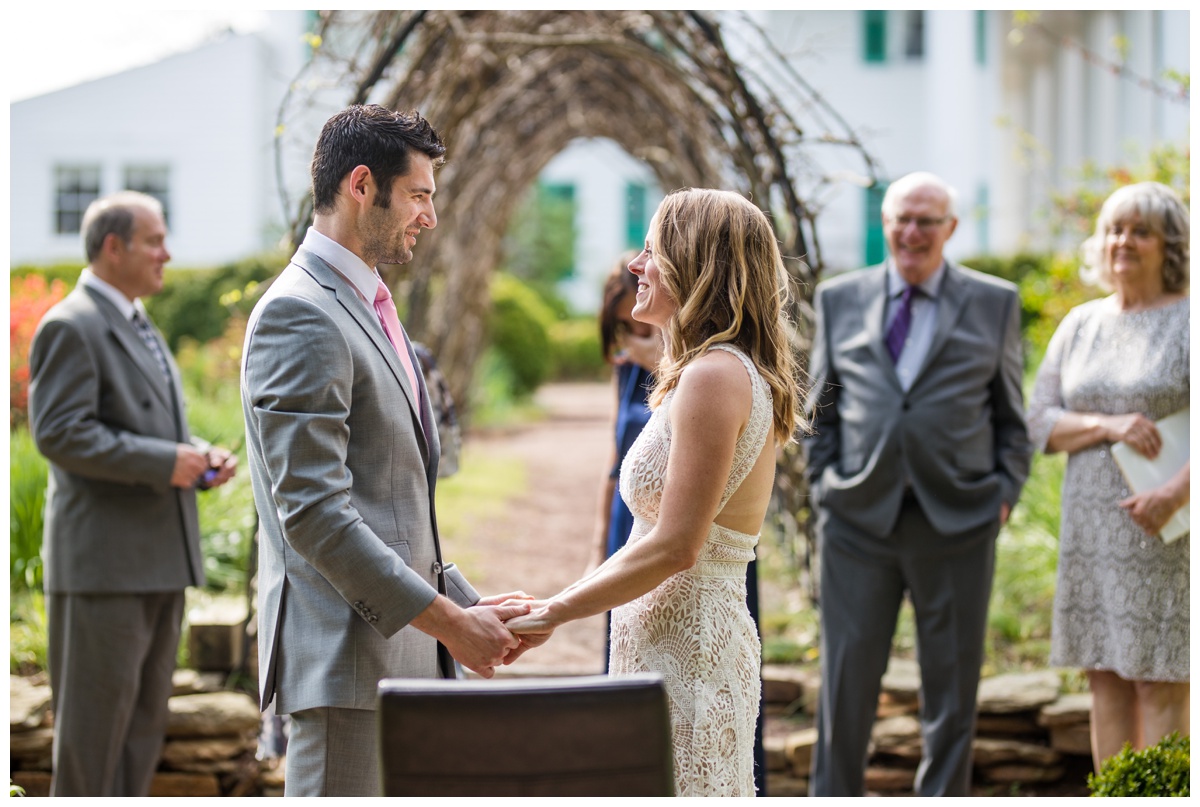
x=1114 y=367
x=122 y=535
x=919 y=454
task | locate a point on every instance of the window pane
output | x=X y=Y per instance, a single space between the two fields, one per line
x=75 y=188
x=152 y=180
x=914 y=35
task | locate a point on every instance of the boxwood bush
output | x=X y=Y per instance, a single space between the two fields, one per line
x=1163 y=769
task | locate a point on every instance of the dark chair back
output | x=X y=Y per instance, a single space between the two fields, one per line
x=572 y=736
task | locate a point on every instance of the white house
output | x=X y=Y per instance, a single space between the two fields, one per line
x=1006 y=114
x=194 y=129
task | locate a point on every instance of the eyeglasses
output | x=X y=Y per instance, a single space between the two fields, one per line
x=922 y=223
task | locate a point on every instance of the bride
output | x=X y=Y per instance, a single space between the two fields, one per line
x=698 y=481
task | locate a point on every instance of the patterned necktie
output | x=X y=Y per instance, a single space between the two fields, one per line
x=147 y=334
x=897 y=333
x=386 y=309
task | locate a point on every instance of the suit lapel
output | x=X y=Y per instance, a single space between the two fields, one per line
x=952 y=298
x=126 y=337
x=874 y=291
x=350 y=302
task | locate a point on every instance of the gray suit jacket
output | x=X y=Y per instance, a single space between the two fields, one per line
x=102 y=413
x=343 y=475
x=958 y=435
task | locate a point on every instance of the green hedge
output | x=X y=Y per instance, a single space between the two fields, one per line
x=194 y=303
x=1163 y=769
x=519 y=329
x=1050 y=286
x=575 y=351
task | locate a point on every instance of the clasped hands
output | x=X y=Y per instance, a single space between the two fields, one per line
x=523 y=625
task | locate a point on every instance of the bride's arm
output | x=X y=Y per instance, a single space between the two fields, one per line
x=710 y=407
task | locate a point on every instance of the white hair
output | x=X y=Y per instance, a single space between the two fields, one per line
x=920 y=179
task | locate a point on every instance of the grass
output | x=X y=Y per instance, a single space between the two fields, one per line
x=480 y=490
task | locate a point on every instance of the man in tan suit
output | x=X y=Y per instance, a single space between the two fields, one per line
x=343 y=452
x=122 y=539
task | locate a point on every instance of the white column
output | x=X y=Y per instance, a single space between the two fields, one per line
x=956 y=117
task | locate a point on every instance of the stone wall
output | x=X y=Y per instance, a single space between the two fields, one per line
x=212 y=739
x=1029 y=733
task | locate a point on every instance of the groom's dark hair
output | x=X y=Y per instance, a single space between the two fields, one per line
x=374 y=136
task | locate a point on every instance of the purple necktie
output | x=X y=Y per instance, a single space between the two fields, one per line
x=898 y=331
x=386 y=309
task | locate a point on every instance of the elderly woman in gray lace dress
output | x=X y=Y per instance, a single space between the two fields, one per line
x=1115 y=366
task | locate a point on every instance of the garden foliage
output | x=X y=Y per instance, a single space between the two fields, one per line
x=1163 y=769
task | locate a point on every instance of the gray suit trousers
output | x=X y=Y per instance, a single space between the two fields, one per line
x=863 y=582
x=111 y=660
x=332 y=752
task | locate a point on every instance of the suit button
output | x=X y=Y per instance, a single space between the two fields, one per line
x=437 y=567
x=905 y=406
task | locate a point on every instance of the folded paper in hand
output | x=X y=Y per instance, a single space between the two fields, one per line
x=1145 y=474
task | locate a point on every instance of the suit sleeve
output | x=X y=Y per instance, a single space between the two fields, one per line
x=300 y=400
x=822 y=446
x=65 y=415
x=1013 y=448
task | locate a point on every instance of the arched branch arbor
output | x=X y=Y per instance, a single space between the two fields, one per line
x=703 y=99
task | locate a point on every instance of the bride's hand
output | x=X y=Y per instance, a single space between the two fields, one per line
x=537 y=622
x=512 y=598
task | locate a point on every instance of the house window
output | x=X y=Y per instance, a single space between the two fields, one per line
x=875 y=246
x=152 y=180
x=75 y=187
x=914 y=34
x=981 y=37
x=874 y=26
x=636 y=220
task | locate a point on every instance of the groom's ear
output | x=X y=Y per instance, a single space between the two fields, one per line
x=359 y=186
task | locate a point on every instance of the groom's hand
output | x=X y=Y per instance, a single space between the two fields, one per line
x=476 y=637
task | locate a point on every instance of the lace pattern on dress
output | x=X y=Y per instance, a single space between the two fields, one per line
x=695 y=628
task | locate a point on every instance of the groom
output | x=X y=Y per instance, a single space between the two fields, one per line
x=343 y=453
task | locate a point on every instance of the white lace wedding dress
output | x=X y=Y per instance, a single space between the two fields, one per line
x=695 y=628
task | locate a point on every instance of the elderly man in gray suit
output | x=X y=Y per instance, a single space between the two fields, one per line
x=919 y=453
x=343 y=451
x=121 y=538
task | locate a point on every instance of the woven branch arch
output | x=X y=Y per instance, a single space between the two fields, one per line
x=508 y=90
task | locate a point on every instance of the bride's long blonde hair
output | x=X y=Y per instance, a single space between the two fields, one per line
x=719 y=261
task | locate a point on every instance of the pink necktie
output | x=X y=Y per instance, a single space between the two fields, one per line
x=386 y=310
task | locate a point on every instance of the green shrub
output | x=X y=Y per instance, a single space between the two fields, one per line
x=519 y=326
x=575 y=350
x=197 y=303
x=1163 y=769
x=27 y=499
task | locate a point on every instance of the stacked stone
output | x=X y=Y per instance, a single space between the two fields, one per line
x=210 y=745
x=1027 y=731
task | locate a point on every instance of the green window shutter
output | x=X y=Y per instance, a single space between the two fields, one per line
x=874 y=27
x=875 y=247
x=636 y=221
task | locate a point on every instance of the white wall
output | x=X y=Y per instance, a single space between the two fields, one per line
x=599 y=169
x=208 y=114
